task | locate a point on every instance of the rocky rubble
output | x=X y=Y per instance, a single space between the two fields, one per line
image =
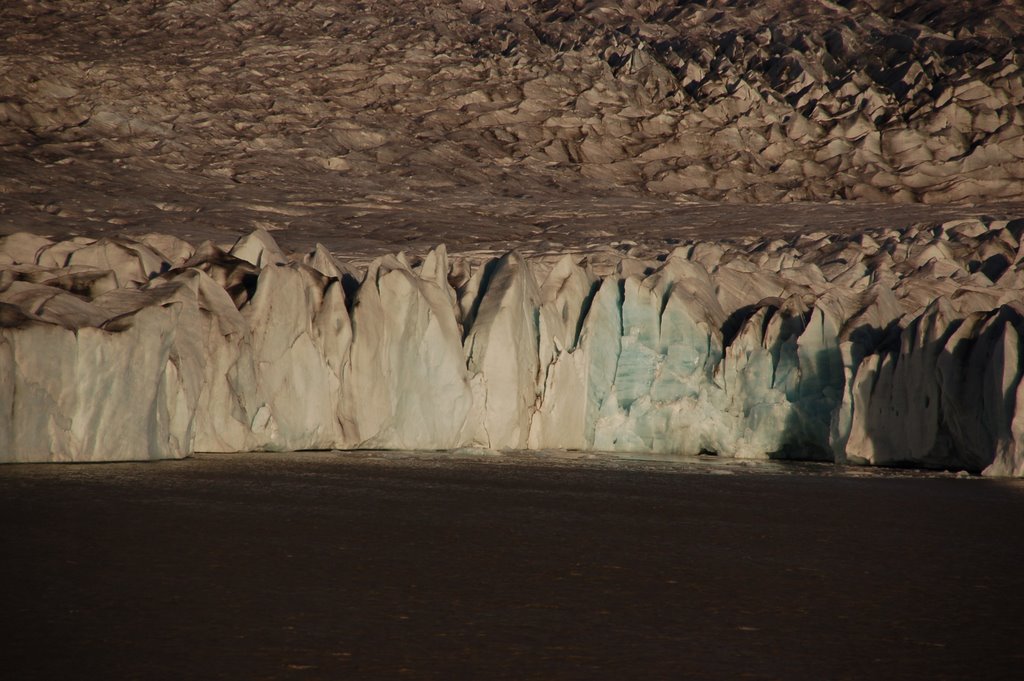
x=891 y=347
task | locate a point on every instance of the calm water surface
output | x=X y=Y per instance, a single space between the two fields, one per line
x=370 y=565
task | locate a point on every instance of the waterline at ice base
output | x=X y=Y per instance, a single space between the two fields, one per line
x=887 y=347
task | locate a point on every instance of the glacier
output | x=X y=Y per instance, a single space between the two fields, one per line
x=886 y=347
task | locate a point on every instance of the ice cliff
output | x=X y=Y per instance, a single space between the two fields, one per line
x=886 y=347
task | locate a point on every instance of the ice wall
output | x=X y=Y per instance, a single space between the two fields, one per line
x=888 y=347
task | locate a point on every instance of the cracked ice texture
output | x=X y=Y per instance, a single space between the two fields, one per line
x=886 y=347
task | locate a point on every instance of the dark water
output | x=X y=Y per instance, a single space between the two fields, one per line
x=366 y=566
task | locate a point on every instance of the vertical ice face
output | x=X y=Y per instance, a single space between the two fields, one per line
x=230 y=401
x=946 y=396
x=670 y=342
x=406 y=384
x=896 y=348
x=599 y=350
x=760 y=377
x=89 y=393
x=502 y=350
x=1003 y=396
x=870 y=318
x=1009 y=454
x=566 y=296
x=293 y=373
x=896 y=403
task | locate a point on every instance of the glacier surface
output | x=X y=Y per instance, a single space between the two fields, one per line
x=889 y=347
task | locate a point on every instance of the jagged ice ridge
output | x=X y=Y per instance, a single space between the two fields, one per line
x=886 y=347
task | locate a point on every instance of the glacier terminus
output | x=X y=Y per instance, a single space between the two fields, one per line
x=887 y=347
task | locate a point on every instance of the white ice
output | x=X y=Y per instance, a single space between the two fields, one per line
x=882 y=348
